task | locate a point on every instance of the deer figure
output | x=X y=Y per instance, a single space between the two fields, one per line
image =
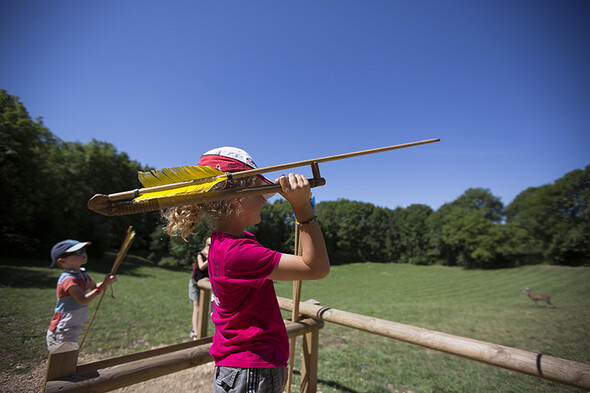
x=535 y=297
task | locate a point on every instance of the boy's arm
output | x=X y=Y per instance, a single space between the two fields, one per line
x=84 y=299
x=314 y=263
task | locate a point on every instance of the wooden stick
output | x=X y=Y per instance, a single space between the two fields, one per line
x=122 y=252
x=101 y=203
x=295 y=312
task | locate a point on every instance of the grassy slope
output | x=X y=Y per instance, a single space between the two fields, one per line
x=151 y=308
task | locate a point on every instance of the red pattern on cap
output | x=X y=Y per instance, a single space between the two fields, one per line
x=228 y=164
x=224 y=164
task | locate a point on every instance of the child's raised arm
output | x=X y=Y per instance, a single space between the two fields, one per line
x=85 y=298
x=201 y=262
x=314 y=263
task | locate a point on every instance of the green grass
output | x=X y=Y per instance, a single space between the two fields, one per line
x=483 y=305
x=151 y=308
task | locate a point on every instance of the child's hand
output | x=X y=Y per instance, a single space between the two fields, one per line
x=108 y=280
x=297 y=191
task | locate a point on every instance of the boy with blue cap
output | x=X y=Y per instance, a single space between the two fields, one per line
x=75 y=290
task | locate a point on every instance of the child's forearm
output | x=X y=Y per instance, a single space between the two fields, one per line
x=91 y=295
x=98 y=289
x=202 y=264
x=85 y=298
x=315 y=254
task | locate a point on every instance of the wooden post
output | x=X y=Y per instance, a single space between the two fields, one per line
x=309 y=362
x=204 y=303
x=295 y=312
x=62 y=362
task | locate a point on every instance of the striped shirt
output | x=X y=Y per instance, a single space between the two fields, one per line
x=68 y=312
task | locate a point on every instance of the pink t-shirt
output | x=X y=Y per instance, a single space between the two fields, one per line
x=249 y=328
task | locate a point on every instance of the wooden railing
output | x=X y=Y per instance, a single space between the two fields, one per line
x=64 y=375
x=535 y=364
x=115 y=373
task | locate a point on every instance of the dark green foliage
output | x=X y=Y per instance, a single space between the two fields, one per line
x=356 y=231
x=468 y=231
x=277 y=228
x=412 y=235
x=48 y=183
x=555 y=219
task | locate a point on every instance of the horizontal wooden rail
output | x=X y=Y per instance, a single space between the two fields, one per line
x=111 y=378
x=535 y=364
x=121 y=374
x=88 y=367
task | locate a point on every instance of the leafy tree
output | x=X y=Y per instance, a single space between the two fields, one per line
x=26 y=145
x=49 y=182
x=354 y=231
x=380 y=238
x=555 y=219
x=570 y=243
x=468 y=231
x=277 y=228
x=527 y=220
x=412 y=234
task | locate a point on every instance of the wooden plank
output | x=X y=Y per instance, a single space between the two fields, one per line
x=62 y=361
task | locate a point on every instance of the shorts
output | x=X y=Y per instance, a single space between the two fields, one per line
x=249 y=380
x=194 y=292
x=56 y=337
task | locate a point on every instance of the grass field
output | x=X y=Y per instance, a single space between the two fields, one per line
x=151 y=308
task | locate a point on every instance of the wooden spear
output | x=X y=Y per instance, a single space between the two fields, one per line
x=120 y=256
x=121 y=203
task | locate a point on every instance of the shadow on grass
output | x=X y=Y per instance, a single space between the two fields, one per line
x=332 y=384
x=23 y=277
x=35 y=273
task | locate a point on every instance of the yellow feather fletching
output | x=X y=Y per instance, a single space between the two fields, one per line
x=176 y=175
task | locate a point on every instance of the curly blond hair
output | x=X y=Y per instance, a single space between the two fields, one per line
x=184 y=219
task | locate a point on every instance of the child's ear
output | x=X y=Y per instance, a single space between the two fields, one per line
x=59 y=262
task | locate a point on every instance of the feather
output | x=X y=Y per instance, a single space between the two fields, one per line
x=201 y=178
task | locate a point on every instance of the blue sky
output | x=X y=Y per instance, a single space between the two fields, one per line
x=505 y=85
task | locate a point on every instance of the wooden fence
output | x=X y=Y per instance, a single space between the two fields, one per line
x=535 y=364
x=114 y=373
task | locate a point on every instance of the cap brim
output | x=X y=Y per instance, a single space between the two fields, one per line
x=78 y=246
x=264 y=179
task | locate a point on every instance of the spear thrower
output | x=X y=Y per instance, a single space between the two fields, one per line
x=179 y=186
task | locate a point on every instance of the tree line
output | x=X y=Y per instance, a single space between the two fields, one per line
x=48 y=183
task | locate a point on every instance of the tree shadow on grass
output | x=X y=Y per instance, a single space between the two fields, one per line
x=35 y=273
x=23 y=277
x=332 y=384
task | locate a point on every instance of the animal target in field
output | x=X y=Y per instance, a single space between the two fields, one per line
x=536 y=297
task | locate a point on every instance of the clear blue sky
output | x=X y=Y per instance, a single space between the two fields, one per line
x=504 y=84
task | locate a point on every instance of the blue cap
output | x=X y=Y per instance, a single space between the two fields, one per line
x=64 y=247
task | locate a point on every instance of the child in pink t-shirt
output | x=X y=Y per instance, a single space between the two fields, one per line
x=250 y=345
